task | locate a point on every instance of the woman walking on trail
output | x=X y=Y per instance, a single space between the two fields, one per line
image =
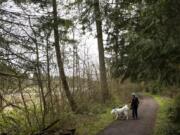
x=134 y=106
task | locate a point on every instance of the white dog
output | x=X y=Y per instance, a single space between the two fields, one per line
x=120 y=111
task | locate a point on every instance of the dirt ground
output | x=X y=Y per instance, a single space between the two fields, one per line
x=143 y=126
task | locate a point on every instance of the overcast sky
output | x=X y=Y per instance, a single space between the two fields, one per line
x=87 y=40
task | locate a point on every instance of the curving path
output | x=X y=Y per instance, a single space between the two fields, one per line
x=143 y=126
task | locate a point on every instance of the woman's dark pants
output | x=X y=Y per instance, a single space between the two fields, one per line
x=135 y=112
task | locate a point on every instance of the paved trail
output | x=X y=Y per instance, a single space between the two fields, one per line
x=143 y=126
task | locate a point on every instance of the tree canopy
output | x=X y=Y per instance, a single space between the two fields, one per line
x=152 y=45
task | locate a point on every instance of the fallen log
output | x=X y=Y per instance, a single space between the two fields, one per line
x=43 y=131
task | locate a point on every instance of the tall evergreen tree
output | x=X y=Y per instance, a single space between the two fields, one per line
x=59 y=59
x=102 y=66
x=91 y=13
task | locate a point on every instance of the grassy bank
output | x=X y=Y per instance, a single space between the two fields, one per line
x=92 y=116
x=162 y=120
x=93 y=124
x=98 y=117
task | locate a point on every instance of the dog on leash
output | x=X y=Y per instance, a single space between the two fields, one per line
x=119 y=112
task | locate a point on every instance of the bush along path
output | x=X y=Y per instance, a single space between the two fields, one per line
x=143 y=126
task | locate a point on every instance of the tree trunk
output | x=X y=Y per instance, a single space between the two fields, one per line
x=102 y=68
x=1 y=101
x=24 y=103
x=59 y=60
x=38 y=74
x=40 y=84
x=48 y=74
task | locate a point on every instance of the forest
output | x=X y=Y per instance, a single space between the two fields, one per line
x=65 y=64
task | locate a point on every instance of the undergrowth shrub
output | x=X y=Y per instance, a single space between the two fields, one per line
x=174 y=116
x=177 y=108
x=15 y=123
x=168 y=121
x=154 y=88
